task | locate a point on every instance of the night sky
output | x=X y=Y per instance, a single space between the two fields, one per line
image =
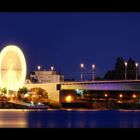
x=66 y=39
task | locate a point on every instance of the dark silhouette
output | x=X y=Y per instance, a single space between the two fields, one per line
x=131 y=70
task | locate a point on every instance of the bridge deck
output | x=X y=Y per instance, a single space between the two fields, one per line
x=116 y=85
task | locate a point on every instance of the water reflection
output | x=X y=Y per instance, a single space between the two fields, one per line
x=69 y=119
x=13 y=119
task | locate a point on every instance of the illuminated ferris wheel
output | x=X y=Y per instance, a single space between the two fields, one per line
x=12 y=68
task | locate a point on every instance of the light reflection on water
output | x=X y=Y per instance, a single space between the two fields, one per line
x=13 y=119
x=69 y=119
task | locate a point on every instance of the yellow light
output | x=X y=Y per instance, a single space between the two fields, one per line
x=134 y=96
x=13 y=95
x=26 y=95
x=106 y=95
x=68 y=98
x=33 y=96
x=12 y=68
x=120 y=95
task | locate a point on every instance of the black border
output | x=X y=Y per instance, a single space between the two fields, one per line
x=82 y=6
x=70 y=133
x=66 y=133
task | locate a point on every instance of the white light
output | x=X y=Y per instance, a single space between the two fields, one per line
x=82 y=65
x=136 y=64
x=93 y=66
x=26 y=95
x=38 y=67
x=77 y=90
x=125 y=63
x=52 y=68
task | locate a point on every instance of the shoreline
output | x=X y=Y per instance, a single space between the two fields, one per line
x=67 y=109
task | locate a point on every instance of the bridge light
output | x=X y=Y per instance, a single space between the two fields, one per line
x=134 y=96
x=68 y=99
x=106 y=95
x=120 y=95
x=77 y=90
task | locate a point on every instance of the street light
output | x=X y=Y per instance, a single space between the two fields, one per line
x=38 y=67
x=52 y=68
x=125 y=70
x=93 y=67
x=136 y=64
x=82 y=66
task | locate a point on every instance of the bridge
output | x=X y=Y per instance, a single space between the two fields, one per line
x=100 y=89
x=115 y=85
x=56 y=90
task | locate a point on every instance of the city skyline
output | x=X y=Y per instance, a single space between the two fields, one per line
x=67 y=39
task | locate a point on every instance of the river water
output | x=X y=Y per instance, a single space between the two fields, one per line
x=69 y=118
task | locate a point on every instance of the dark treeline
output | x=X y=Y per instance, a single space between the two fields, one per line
x=123 y=70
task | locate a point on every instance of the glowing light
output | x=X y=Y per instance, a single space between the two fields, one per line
x=136 y=64
x=7 y=95
x=13 y=95
x=68 y=98
x=52 y=68
x=33 y=96
x=125 y=63
x=82 y=65
x=26 y=95
x=106 y=95
x=120 y=95
x=93 y=66
x=134 y=96
x=12 y=68
x=38 y=67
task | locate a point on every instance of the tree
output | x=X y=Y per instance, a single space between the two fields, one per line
x=4 y=90
x=39 y=91
x=131 y=69
x=110 y=75
x=119 y=69
x=23 y=90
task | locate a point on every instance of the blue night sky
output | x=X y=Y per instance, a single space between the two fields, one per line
x=65 y=39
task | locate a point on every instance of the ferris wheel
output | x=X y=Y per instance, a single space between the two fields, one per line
x=12 y=68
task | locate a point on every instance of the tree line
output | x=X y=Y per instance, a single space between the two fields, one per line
x=122 y=71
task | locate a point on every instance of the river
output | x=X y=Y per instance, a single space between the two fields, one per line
x=69 y=118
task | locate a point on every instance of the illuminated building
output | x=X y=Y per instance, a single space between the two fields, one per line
x=48 y=76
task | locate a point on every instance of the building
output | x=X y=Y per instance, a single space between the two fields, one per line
x=48 y=76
